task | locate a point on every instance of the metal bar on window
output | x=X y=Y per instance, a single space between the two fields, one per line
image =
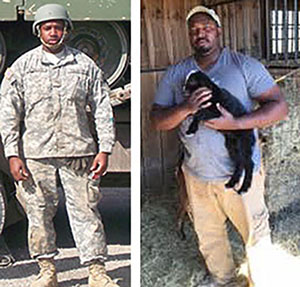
x=285 y=31
x=282 y=31
x=296 y=28
x=276 y=29
x=269 y=26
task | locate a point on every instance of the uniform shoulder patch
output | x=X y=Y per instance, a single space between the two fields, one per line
x=8 y=73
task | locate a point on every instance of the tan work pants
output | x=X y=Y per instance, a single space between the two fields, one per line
x=211 y=205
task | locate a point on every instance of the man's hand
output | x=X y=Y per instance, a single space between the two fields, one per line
x=164 y=119
x=198 y=99
x=225 y=122
x=17 y=168
x=99 y=165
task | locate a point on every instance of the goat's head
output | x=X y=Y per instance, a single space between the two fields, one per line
x=195 y=80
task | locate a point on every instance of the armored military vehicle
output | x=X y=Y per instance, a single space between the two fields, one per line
x=102 y=31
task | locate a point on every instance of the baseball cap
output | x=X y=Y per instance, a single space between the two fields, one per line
x=205 y=10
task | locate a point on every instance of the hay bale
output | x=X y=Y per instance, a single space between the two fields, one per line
x=281 y=153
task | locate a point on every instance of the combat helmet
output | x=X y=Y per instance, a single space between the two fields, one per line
x=51 y=12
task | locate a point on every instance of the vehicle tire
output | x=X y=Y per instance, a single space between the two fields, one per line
x=2 y=206
x=2 y=52
x=106 y=43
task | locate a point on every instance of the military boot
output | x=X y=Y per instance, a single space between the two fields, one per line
x=47 y=276
x=98 y=276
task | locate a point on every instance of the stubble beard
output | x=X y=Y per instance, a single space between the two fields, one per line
x=201 y=52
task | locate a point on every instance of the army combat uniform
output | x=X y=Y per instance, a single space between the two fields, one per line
x=44 y=120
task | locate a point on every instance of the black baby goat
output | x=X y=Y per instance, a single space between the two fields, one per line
x=239 y=143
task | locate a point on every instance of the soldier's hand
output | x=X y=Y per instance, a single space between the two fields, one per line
x=99 y=165
x=198 y=99
x=17 y=168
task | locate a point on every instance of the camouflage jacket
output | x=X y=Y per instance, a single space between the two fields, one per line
x=44 y=107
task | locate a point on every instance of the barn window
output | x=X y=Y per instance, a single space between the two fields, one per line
x=283 y=30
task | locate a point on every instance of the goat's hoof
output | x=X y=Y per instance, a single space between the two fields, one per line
x=242 y=191
x=230 y=184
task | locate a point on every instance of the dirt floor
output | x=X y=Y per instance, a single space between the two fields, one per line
x=115 y=211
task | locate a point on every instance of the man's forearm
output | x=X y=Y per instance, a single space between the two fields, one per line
x=168 y=118
x=265 y=116
x=272 y=108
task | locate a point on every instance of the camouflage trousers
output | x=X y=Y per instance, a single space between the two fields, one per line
x=40 y=198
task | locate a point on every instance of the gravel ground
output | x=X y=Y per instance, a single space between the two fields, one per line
x=115 y=211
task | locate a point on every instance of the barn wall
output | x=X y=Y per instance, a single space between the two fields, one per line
x=164 y=41
x=164 y=34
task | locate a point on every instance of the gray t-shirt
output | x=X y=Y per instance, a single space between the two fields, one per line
x=206 y=156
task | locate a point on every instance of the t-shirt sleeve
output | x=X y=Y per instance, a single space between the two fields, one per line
x=258 y=79
x=164 y=95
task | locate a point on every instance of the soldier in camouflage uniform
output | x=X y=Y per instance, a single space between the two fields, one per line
x=45 y=97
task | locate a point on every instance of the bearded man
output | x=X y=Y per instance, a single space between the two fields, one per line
x=207 y=165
